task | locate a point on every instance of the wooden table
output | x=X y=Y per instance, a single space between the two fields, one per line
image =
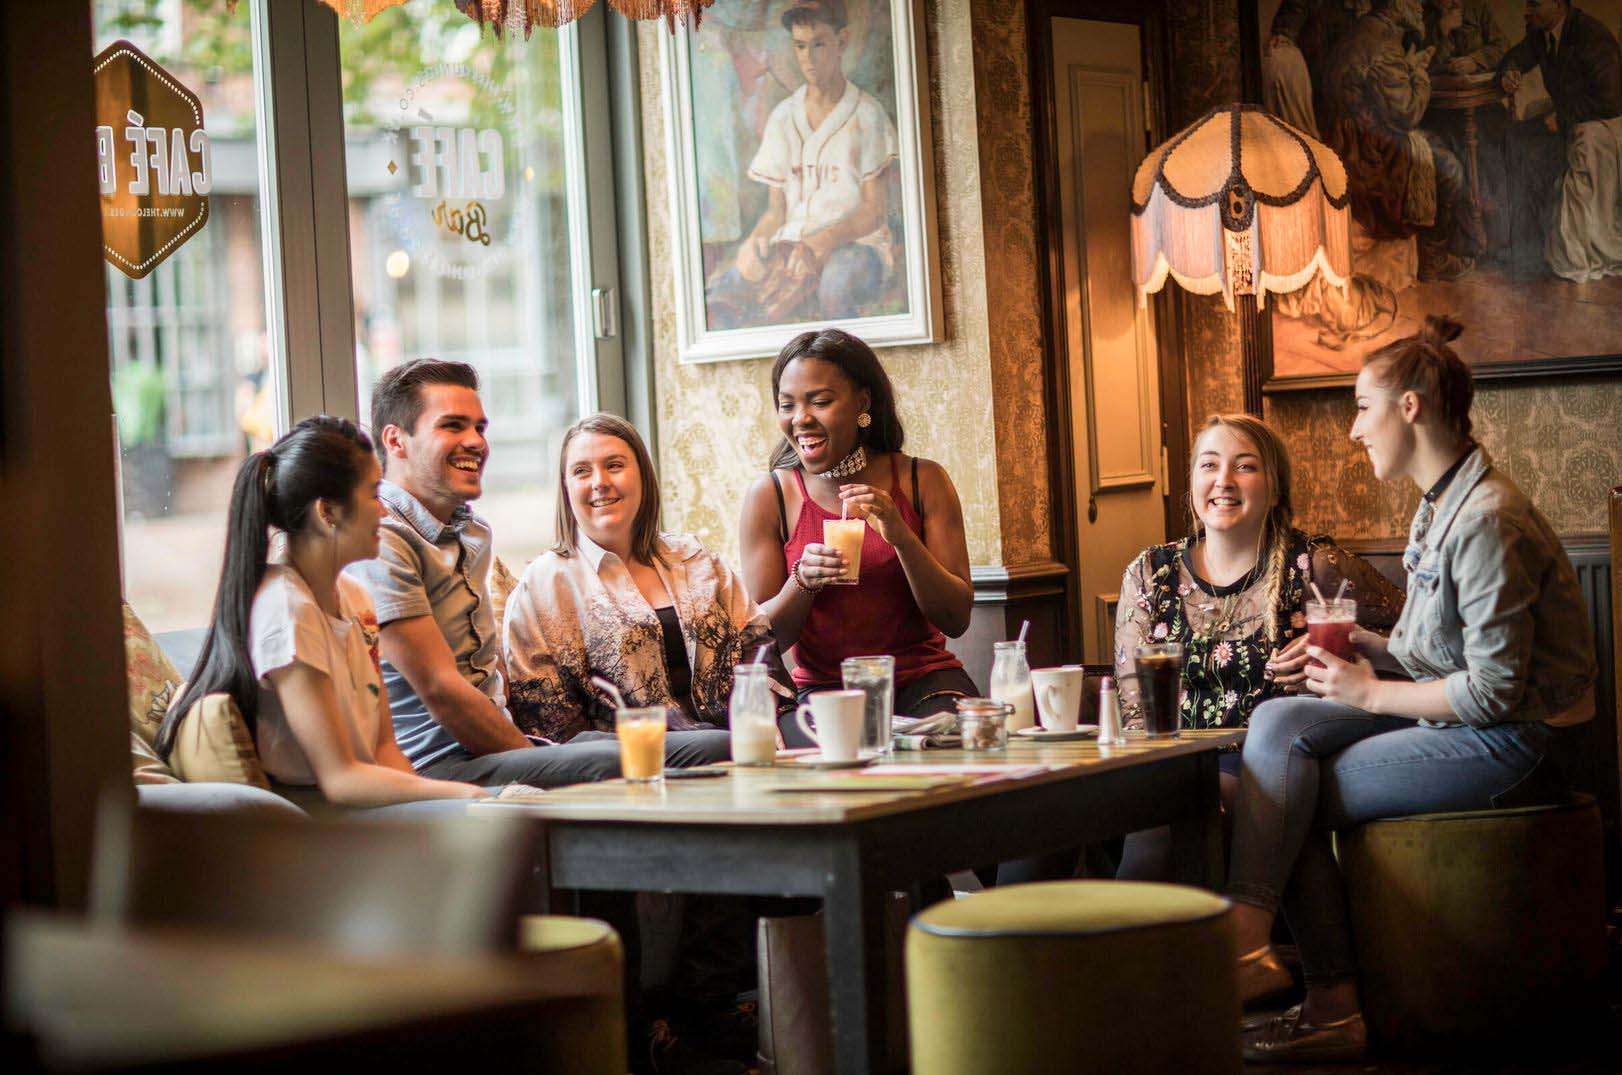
x=1466 y=93
x=100 y=998
x=769 y=832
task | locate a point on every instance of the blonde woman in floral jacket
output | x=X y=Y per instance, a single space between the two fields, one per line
x=657 y=615
x=1232 y=594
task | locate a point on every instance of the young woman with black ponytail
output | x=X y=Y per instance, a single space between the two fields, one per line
x=292 y=640
x=1495 y=642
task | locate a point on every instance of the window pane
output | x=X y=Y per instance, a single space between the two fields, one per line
x=192 y=384
x=460 y=234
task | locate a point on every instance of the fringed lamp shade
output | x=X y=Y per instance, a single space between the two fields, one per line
x=1240 y=203
x=356 y=11
x=528 y=14
x=359 y=11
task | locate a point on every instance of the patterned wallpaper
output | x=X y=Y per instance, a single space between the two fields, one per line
x=1002 y=81
x=1559 y=441
x=716 y=424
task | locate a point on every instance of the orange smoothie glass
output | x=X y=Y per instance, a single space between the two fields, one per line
x=642 y=744
x=846 y=536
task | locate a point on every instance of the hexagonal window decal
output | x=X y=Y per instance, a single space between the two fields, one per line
x=153 y=161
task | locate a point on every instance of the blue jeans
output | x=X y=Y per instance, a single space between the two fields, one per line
x=1312 y=766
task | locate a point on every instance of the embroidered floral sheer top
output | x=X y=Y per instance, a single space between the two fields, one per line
x=581 y=615
x=1223 y=628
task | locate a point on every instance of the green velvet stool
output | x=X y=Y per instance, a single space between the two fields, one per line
x=1074 y=976
x=1473 y=928
x=586 y=1024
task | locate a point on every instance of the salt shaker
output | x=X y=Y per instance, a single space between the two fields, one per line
x=1109 y=714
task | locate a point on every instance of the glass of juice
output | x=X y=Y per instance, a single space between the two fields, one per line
x=1329 y=626
x=846 y=535
x=642 y=743
x=1160 y=687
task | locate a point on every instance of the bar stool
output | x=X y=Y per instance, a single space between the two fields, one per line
x=1472 y=927
x=1074 y=976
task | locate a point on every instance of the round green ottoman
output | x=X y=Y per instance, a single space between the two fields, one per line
x=1074 y=976
x=586 y=1024
x=1474 y=927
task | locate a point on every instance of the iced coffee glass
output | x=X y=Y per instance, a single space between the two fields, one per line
x=846 y=535
x=642 y=743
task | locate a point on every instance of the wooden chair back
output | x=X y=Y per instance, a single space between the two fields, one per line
x=439 y=886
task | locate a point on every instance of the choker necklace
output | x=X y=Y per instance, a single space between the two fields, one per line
x=851 y=464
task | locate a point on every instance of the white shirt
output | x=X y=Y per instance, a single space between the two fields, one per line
x=287 y=626
x=821 y=170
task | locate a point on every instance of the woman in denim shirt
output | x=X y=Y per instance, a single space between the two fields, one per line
x=1495 y=639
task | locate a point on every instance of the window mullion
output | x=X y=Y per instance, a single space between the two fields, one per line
x=307 y=242
x=593 y=239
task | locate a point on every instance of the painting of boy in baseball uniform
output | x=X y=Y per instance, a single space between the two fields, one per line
x=822 y=250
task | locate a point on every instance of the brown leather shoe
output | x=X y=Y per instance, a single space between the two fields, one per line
x=1288 y=1039
x=1262 y=975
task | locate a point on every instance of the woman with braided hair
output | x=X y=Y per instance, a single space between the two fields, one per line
x=1232 y=593
x=1495 y=642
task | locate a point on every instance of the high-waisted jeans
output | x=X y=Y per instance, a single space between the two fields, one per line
x=1312 y=766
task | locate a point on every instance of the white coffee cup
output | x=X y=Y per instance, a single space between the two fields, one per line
x=838 y=728
x=1058 y=696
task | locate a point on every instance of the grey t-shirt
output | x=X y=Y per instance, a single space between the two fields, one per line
x=428 y=568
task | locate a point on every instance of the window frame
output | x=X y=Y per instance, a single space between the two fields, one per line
x=307 y=251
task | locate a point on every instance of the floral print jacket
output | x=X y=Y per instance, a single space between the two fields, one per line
x=1223 y=628
x=580 y=615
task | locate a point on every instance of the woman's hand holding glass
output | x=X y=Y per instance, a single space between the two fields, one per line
x=1350 y=683
x=819 y=565
x=1287 y=664
x=1371 y=644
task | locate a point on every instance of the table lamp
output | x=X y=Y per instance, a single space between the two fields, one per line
x=1241 y=203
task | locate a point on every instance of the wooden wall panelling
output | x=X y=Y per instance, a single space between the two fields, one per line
x=1004 y=597
x=63 y=729
x=1167 y=304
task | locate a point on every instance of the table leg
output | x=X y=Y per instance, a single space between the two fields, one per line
x=1196 y=837
x=1471 y=168
x=853 y=921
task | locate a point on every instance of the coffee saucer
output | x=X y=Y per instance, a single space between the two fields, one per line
x=817 y=761
x=1043 y=735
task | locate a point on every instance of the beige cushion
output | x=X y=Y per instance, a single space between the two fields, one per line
x=153 y=681
x=502 y=584
x=149 y=768
x=213 y=744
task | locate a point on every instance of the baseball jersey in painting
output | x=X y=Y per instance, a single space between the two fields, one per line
x=821 y=171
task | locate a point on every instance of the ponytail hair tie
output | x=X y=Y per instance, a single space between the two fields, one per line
x=267 y=471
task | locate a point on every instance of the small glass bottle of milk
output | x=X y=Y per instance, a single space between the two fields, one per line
x=1011 y=683
x=753 y=716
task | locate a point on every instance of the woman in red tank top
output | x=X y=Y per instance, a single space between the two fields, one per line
x=841 y=448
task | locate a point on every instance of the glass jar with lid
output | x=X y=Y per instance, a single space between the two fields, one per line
x=983 y=723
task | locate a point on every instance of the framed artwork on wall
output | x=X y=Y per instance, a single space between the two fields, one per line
x=1483 y=147
x=801 y=176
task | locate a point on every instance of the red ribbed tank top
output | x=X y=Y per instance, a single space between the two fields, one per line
x=875 y=617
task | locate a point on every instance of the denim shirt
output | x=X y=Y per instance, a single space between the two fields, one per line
x=428 y=568
x=1493 y=606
